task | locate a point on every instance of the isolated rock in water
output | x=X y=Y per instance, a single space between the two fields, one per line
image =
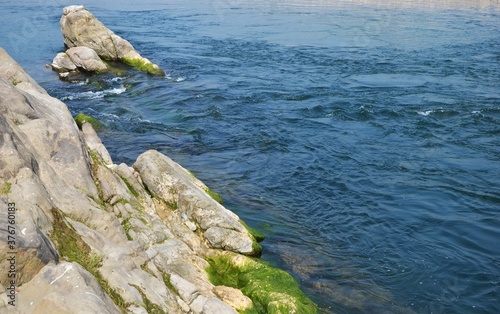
x=76 y=58
x=81 y=28
x=87 y=59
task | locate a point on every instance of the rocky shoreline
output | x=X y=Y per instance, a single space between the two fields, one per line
x=90 y=236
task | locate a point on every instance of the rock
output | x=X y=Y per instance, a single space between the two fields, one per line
x=13 y=73
x=176 y=186
x=62 y=63
x=234 y=298
x=76 y=59
x=221 y=238
x=95 y=237
x=187 y=291
x=81 y=28
x=86 y=59
x=64 y=288
x=214 y=305
x=94 y=143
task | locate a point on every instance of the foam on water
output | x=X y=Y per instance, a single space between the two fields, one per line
x=95 y=95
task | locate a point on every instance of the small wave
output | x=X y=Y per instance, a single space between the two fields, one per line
x=425 y=113
x=179 y=79
x=95 y=95
x=116 y=79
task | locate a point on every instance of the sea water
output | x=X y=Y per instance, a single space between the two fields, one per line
x=361 y=137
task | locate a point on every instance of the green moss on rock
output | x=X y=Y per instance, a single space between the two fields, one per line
x=150 y=307
x=215 y=196
x=5 y=189
x=272 y=290
x=71 y=246
x=96 y=124
x=258 y=236
x=143 y=66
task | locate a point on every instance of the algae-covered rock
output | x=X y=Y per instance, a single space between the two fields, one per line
x=272 y=290
x=81 y=28
x=81 y=118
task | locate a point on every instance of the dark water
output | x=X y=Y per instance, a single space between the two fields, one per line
x=362 y=138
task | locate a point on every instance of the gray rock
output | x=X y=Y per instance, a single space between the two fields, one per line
x=214 y=305
x=80 y=205
x=229 y=240
x=187 y=291
x=94 y=143
x=64 y=288
x=81 y=28
x=62 y=63
x=233 y=297
x=87 y=59
x=175 y=185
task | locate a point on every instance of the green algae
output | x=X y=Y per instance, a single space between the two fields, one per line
x=96 y=124
x=72 y=248
x=150 y=307
x=258 y=236
x=127 y=226
x=5 y=189
x=215 y=196
x=272 y=290
x=140 y=65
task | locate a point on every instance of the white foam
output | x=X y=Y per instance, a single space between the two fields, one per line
x=96 y=95
x=425 y=113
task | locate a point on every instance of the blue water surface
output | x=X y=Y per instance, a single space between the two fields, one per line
x=362 y=137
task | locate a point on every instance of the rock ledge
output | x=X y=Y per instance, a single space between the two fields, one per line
x=92 y=236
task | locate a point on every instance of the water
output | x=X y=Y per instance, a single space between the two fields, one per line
x=362 y=137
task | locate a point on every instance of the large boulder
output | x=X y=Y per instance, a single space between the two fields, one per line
x=177 y=187
x=81 y=28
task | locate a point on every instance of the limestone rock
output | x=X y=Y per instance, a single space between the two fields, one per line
x=94 y=143
x=175 y=185
x=81 y=28
x=62 y=63
x=64 y=288
x=86 y=59
x=94 y=237
x=214 y=305
x=233 y=297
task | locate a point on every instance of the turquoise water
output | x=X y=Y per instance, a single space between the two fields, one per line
x=363 y=138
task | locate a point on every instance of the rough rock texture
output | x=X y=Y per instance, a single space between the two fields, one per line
x=76 y=58
x=62 y=63
x=65 y=288
x=81 y=28
x=174 y=185
x=95 y=237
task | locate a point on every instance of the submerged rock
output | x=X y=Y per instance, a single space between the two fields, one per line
x=81 y=28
